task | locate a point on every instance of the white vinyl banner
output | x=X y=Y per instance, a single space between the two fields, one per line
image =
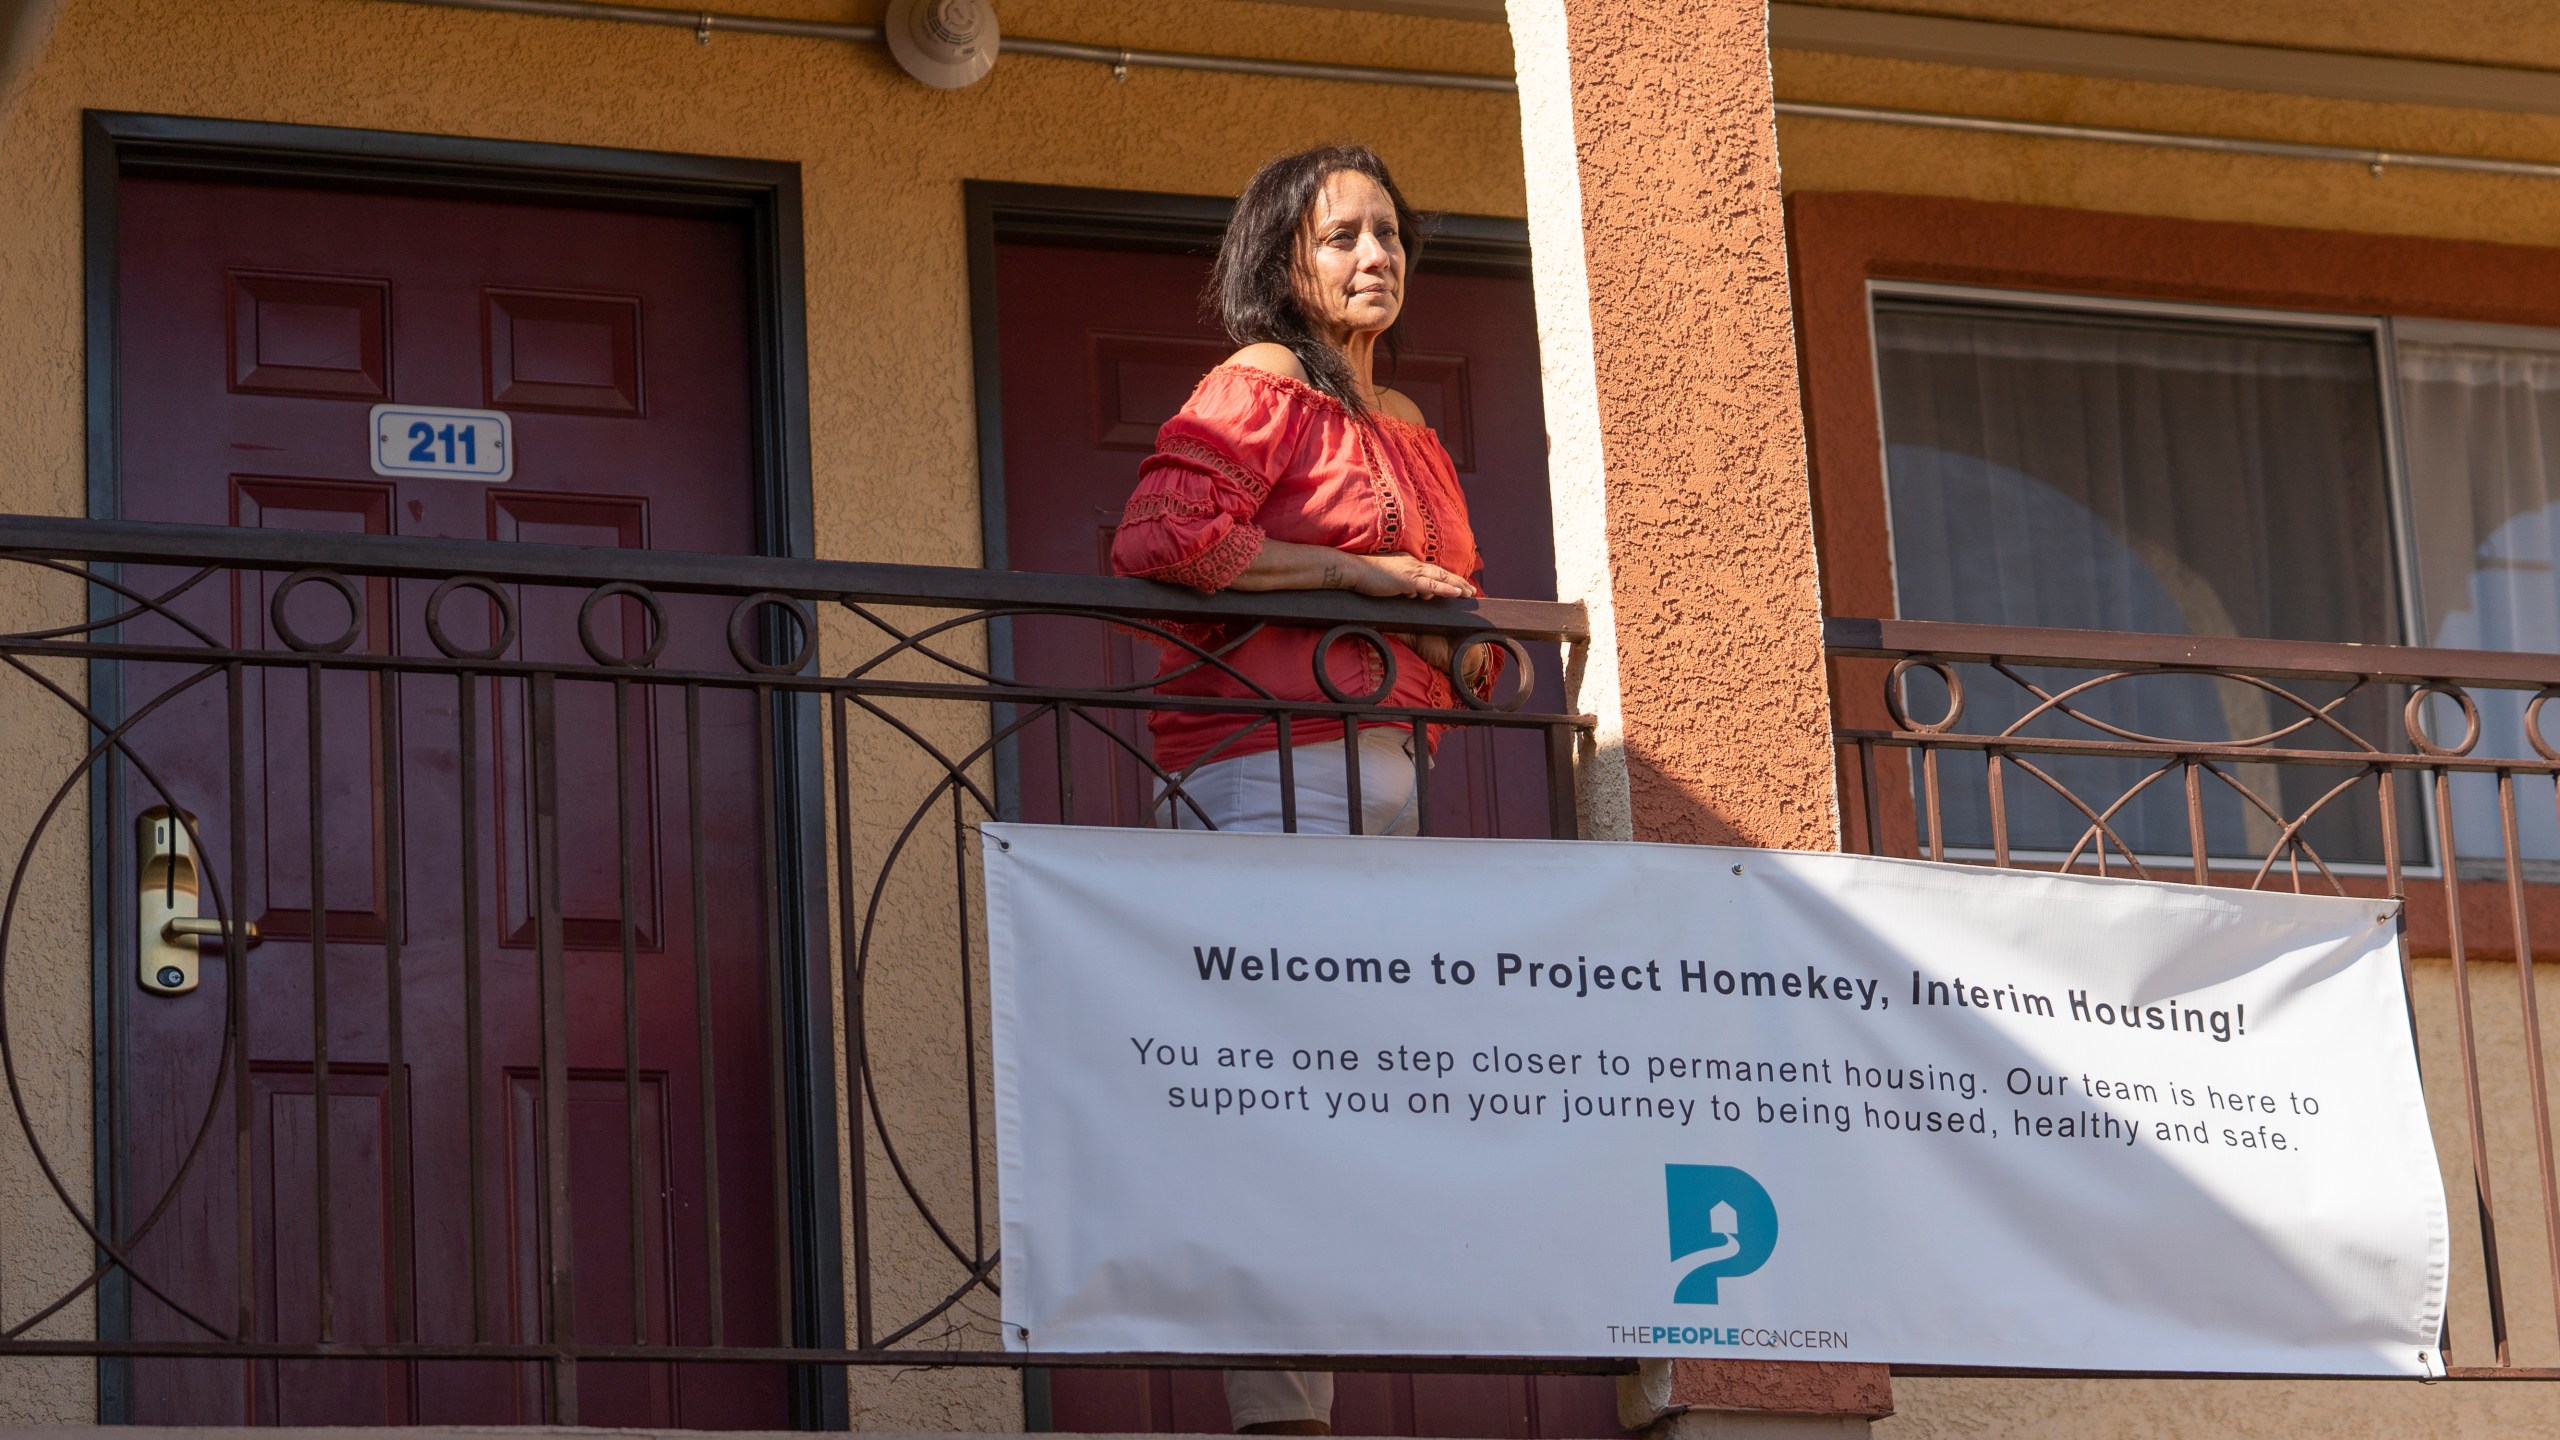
x=1314 y=1095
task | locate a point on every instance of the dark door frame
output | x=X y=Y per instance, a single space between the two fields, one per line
x=1075 y=217
x=764 y=197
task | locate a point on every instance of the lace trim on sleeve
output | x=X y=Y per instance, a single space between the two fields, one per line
x=1218 y=566
x=1183 y=447
x=1165 y=504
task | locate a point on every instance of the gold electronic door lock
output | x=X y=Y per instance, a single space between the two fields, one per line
x=166 y=906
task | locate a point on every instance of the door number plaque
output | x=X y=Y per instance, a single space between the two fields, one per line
x=430 y=440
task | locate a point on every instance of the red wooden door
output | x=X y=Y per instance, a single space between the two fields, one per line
x=1099 y=347
x=257 y=326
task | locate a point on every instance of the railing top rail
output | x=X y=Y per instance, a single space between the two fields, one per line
x=860 y=582
x=2274 y=659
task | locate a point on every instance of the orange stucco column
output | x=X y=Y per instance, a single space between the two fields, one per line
x=1684 y=514
x=1710 y=520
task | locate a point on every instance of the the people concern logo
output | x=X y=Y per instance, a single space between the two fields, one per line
x=1723 y=1224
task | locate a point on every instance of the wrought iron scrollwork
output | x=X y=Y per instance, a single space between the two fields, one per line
x=907 y=733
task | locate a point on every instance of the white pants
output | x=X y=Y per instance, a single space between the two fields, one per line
x=1243 y=794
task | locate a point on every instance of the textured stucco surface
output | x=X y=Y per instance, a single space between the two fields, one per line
x=2524 y=1244
x=892 y=424
x=1844 y=1391
x=44 y=986
x=2216 y=1410
x=1710 y=523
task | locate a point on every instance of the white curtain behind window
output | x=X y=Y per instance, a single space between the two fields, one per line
x=2481 y=426
x=2123 y=473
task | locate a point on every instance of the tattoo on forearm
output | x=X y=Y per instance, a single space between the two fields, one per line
x=1332 y=575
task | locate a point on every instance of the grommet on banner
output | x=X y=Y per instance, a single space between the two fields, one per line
x=1737 y=869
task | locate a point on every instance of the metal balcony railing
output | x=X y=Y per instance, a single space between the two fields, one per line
x=519 y=973
x=2365 y=770
x=585 y=958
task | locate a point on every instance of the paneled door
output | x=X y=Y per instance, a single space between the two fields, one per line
x=387 y=820
x=1097 y=348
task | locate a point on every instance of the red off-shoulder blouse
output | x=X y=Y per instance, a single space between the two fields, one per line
x=1255 y=456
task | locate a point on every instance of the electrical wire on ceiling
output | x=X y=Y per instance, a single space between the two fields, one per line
x=706 y=23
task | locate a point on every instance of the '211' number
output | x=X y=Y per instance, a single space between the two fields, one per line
x=428 y=436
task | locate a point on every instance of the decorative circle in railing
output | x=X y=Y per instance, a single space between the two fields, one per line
x=2413 y=718
x=742 y=642
x=648 y=654
x=1366 y=636
x=2533 y=722
x=346 y=589
x=1895 y=706
x=1523 y=676
x=498 y=602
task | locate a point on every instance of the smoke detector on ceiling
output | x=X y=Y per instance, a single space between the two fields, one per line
x=944 y=43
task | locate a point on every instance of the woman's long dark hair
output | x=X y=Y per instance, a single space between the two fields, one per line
x=1254 y=288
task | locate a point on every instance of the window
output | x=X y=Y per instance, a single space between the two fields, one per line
x=2097 y=465
x=2481 y=427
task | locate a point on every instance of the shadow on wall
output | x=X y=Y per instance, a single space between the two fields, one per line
x=24 y=27
x=1666 y=809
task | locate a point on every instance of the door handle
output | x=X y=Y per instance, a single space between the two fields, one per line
x=166 y=907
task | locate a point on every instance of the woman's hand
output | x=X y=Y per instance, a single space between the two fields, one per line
x=1404 y=575
x=1287 y=565
x=1435 y=651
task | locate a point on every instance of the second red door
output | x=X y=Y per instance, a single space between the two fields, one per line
x=1098 y=347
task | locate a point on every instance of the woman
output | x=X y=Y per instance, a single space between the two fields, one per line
x=1290 y=468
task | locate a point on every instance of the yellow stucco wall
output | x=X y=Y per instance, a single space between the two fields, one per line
x=891 y=417
x=2487 y=32
x=1852 y=155
x=1837 y=155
